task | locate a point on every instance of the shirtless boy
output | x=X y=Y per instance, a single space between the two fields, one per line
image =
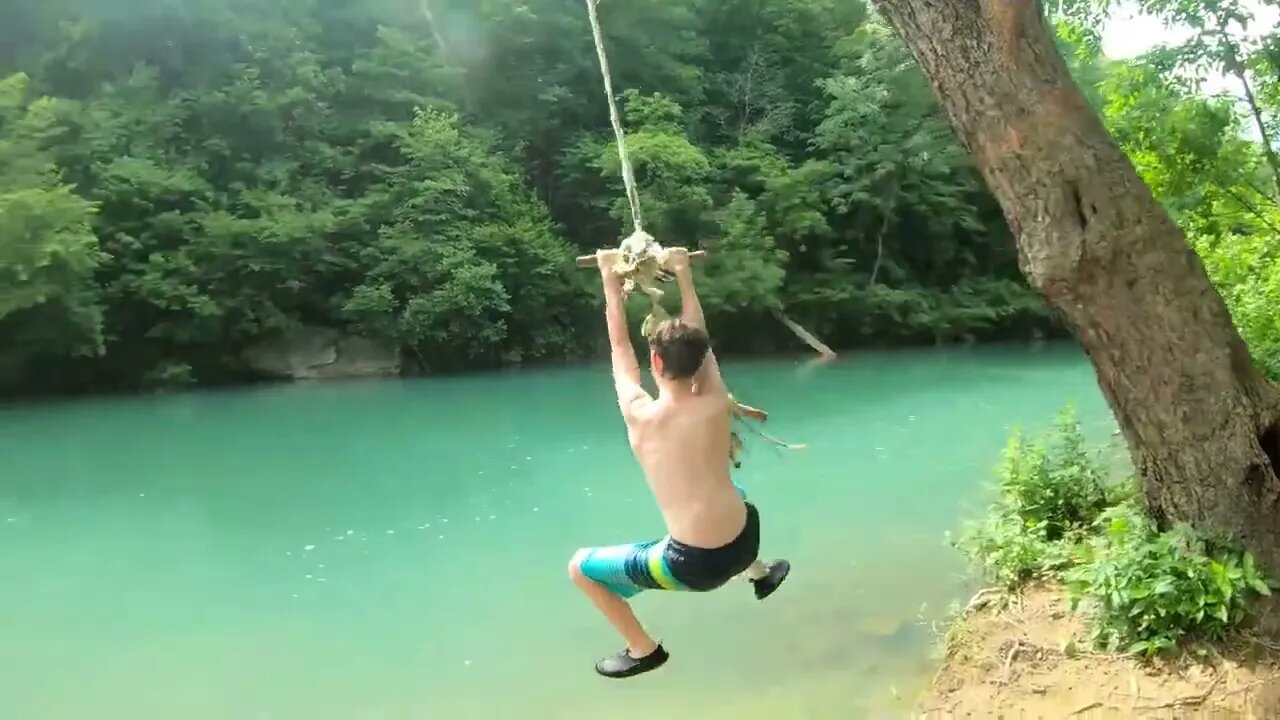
x=681 y=440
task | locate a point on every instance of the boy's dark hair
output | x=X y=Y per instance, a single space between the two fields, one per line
x=681 y=346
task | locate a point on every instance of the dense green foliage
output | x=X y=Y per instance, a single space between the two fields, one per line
x=1149 y=590
x=1050 y=491
x=48 y=252
x=185 y=178
x=1058 y=517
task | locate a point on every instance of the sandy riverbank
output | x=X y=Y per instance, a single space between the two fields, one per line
x=1030 y=658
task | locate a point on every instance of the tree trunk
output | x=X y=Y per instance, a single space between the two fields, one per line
x=1199 y=419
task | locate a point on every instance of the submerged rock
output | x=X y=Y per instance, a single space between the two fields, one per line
x=314 y=353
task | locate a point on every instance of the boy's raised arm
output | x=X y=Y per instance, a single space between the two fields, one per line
x=626 y=369
x=677 y=261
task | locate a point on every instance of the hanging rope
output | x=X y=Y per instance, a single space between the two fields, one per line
x=628 y=178
x=641 y=262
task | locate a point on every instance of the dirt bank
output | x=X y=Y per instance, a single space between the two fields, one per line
x=1030 y=658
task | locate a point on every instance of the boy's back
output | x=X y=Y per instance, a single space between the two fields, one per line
x=682 y=444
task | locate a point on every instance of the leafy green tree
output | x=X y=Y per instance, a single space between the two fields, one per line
x=1194 y=152
x=671 y=172
x=49 y=304
x=462 y=244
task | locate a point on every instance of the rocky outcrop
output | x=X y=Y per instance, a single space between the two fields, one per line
x=313 y=353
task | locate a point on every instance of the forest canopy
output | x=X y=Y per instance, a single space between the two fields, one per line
x=184 y=179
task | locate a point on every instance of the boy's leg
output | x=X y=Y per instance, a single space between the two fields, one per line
x=616 y=610
x=757 y=569
x=764 y=578
x=610 y=575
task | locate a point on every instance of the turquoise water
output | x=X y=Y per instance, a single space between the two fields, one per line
x=397 y=549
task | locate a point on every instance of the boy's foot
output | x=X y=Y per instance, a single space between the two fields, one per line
x=770 y=582
x=623 y=665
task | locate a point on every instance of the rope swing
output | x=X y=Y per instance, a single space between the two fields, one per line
x=640 y=263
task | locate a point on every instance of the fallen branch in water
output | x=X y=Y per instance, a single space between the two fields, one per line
x=808 y=337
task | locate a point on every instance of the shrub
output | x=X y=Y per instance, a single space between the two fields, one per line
x=1010 y=551
x=1053 y=482
x=1049 y=490
x=1056 y=516
x=1147 y=590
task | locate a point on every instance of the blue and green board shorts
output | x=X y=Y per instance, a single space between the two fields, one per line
x=668 y=564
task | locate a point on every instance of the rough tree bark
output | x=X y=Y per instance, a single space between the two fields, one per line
x=1199 y=419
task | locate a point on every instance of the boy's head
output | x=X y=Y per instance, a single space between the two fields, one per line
x=676 y=349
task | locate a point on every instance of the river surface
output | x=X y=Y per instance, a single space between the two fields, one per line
x=397 y=549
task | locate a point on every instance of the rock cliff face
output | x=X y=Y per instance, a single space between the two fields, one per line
x=313 y=353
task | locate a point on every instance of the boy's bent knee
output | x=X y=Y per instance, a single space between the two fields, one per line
x=575 y=567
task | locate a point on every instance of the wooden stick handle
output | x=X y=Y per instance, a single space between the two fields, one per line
x=586 y=261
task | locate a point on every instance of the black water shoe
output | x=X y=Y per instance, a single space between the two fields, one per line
x=623 y=665
x=770 y=582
